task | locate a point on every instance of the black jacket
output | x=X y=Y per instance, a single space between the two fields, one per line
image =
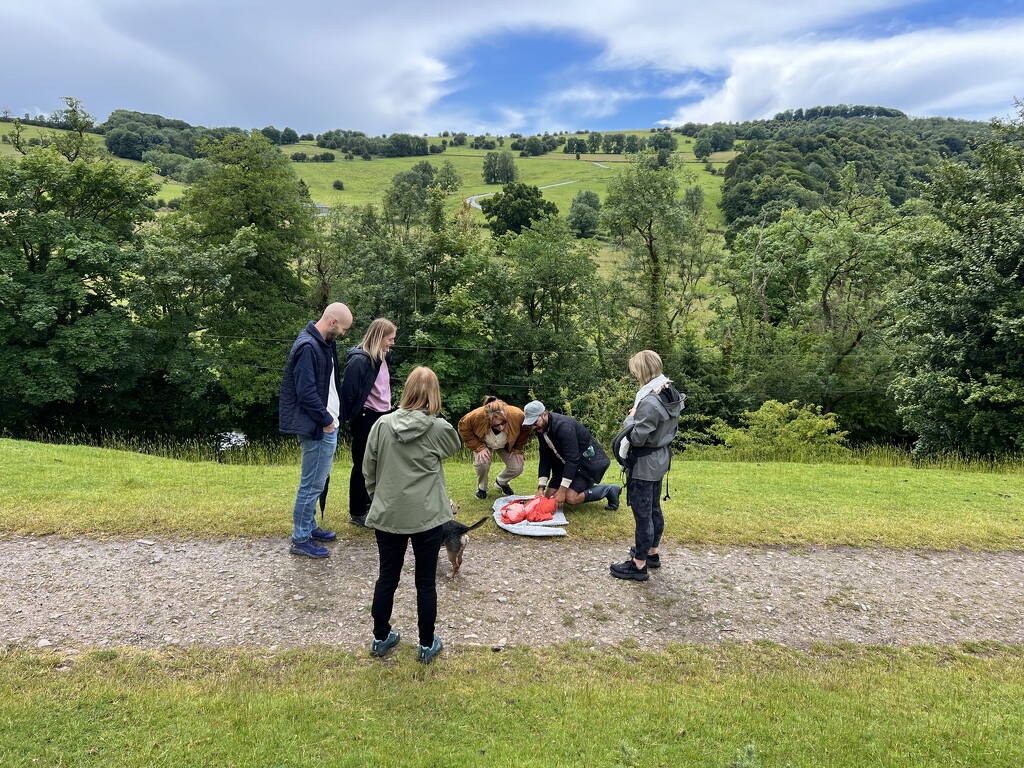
x=573 y=442
x=305 y=385
x=360 y=374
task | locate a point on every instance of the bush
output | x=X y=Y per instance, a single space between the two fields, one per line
x=338 y=185
x=784 y=430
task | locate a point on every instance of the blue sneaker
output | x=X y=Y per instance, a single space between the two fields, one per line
x=320 y=534
x=309 y=548
x=426 y=655
x=380 y=647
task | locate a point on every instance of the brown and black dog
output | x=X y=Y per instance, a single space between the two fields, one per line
x=455 y=536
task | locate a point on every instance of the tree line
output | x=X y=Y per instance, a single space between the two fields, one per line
x=894 y=306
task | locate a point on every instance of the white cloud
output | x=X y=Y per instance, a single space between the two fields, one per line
x=388 y=67
x=969 y=72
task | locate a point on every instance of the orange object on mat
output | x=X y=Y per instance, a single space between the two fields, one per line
x=540 y=508
x=513 y=512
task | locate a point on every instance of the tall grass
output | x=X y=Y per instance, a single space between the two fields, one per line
x=868 y=456
x=284 y=450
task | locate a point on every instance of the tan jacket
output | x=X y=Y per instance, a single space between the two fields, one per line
x=474 y=426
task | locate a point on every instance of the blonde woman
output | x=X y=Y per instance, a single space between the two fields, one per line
x=365 y=397
x=495 y=428
x=644 y=448
x=405 y=479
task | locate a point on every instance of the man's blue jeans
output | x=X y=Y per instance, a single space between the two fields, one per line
x=317 y=456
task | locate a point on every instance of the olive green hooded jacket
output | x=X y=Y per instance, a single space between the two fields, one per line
x=404 y=472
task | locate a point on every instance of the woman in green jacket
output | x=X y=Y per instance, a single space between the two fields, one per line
x=409 y=502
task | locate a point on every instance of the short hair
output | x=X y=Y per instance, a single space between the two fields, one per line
x=645 y=365
x=373 y=339
x=494 y=408
x=422 y=392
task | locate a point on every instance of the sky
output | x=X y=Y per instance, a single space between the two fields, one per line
x=525 y=67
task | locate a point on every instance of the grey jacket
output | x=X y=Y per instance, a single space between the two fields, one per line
x=404 y=473
x=653 y=425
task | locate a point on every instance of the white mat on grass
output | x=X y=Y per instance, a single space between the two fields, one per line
x=552 y=527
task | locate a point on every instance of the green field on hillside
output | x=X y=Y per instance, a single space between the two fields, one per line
x=561 y=176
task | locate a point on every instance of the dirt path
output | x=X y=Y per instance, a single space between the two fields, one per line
x=77 y=593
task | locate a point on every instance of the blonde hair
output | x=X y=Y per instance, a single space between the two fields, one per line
x=494 y=408
x=373 y=339
x=422 y=392
x=645 y=365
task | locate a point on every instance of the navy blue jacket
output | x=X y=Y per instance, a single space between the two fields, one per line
x=305 y=385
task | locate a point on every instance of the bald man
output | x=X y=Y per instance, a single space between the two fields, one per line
x=309 y=408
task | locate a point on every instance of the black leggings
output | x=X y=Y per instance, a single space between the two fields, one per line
x=645 y=501
x=391 y=549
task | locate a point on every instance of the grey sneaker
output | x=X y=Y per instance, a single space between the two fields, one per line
x=380 y=647
x=426 y=655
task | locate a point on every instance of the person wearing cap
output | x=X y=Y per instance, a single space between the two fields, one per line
x=495 y=428
x=571 y=461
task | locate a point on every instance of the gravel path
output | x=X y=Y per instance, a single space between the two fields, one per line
x=78 y=593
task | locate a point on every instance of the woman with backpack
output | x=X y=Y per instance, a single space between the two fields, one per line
x=644 y=449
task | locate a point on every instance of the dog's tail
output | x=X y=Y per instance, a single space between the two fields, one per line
x=478 y=523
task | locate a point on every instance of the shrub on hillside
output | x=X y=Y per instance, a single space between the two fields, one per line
x=783 y=430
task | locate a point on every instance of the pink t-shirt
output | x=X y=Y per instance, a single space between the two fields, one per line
x=379 y=398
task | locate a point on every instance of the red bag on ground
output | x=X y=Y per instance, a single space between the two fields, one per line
x=513 y=512
x=540 y=509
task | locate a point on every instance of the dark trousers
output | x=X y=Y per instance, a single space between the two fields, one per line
x=391 y=549
x=645 y=500
x=358 y=498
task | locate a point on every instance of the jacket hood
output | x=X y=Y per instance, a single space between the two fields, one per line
x=410 y=425
x=356 y=352
x=670 y=400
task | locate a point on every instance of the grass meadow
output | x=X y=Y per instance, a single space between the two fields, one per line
x=727 y=706
x=734 y=705
x=81 y=490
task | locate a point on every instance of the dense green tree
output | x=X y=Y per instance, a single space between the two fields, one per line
x=516 y=207
x=663 y=141
x=643 y=208
x=405 y=201
x=812 y=301
x=585 y=213
x=252 y=186
x=68 y=229
x=448 y=179
x=702 y=149
x=961 y=377
x=289 y=136
x=552 y=276
x=500 y=168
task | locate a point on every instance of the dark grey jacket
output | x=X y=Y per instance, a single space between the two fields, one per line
x=651 y=429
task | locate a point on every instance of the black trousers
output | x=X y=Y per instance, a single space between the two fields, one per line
x=358 y=498
x=391 y=549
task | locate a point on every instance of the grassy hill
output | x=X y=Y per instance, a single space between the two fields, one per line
x=559 y=175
